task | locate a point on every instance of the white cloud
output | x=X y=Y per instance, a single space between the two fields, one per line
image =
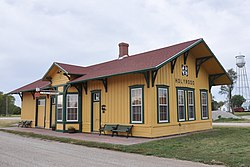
x=36 y=33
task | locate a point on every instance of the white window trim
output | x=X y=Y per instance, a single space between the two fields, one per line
x=71 y=107
x=191 y=119
x=204 y=92
x=159 y=115
x=59 y=120
x=181 y=90
x=131 y=105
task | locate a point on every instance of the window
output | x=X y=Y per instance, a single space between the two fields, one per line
x=204 y=106
x=59 y=107
x=190 y=101
x=136 y=105
x=181 y=105
x=53 y=101
x=41 y=102
x=72 y=107
x=96 y=97
x=162 y=104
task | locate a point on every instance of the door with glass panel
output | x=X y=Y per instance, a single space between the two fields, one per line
x=52 y=111
x=95 y=111
x=40 y=116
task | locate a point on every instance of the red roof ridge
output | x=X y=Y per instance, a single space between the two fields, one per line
x=174 y=45
x=146 y=52
x=70 y=64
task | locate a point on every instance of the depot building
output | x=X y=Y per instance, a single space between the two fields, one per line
x=160 y=92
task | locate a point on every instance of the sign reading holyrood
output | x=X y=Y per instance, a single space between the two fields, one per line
x=184 y=81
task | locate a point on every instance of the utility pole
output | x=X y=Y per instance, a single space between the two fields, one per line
x=6 y=105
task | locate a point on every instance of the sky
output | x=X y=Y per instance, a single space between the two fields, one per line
x=36 y=33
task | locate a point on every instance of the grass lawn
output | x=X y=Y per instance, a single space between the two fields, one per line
x=7 y=123
x=232 y=120
x=241 y=113
x=222 y=145
x=10 y=116
x=228 y=146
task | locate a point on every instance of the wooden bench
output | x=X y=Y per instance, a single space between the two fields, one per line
x=123 y=128
x=25 y=124
x=107 y=127
x=21 y=123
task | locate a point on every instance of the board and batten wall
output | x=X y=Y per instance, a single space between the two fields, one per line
x=165 y=77
x=28 y=110
x=117 y=101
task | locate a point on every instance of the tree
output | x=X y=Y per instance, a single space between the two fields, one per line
x=12 y=108
x=237 y=101
x=227 y=89
x=214 y=104
x=220 y=103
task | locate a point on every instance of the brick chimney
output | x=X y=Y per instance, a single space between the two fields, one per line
x=123 y=49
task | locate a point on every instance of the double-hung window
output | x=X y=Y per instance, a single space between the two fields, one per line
x=163 y=110
x=181 y=105
x=190 y=103
x=136 y=104
x=59 y=107
x=204 y=105
x=72 y=107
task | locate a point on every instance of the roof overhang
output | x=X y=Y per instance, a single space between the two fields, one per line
x=212 y=66
x=32 y=87
x=198 y=49
x=53 y=68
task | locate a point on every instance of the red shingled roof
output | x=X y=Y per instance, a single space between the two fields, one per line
x=32 y=86
x=138 y=62
x=134 y=63
x=71 y=69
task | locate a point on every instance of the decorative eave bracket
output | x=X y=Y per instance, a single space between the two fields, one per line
x=173 y=64
x=68 y=76
x=85 y=87
x=105 y=84
x=78 y=87
x=21 y=95
x=49 y=79
x=199 y=62
x=212 y=78
x=33 y=94
x=147 y=78
x=185 y=56
x=154 y=74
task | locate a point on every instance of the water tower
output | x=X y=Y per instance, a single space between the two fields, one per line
x=242 y=87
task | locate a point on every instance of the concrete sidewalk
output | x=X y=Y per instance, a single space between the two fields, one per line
x=94 y=137
x=231 y=124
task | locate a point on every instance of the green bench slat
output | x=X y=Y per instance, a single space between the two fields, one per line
x=107 y=127
x=123 y=128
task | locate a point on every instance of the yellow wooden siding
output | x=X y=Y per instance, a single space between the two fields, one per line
x=40 y=116
x=58 y=78
x=28 y=108
x=117 y=101
x=164 y=77
x=59 y=126
x=165 y=130
x=76 y=126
